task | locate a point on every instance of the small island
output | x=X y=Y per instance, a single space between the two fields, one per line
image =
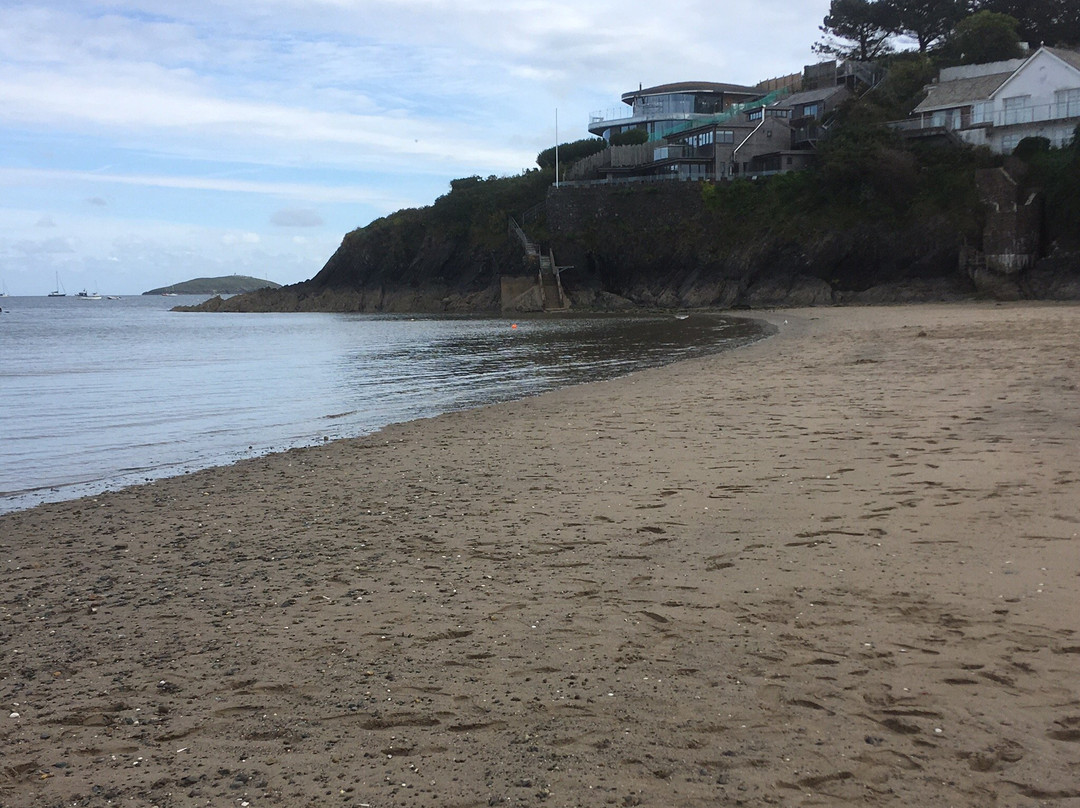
x=226 y=285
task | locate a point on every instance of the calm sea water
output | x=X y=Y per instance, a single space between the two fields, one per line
x=95 y=395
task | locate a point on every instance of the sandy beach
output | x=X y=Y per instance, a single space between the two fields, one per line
x=837 y=567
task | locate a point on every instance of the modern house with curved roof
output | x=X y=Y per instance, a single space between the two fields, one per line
x=664 y=107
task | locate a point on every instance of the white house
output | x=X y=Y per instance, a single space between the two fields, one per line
x=1000 y=103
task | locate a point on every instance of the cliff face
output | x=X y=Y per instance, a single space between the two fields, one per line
x=413 y=263
x=664 y=244
x=448 y=257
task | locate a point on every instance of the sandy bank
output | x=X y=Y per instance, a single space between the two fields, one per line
x=836 y=567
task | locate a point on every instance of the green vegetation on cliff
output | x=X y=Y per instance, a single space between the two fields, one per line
x=1057 y=173
x=875 y=212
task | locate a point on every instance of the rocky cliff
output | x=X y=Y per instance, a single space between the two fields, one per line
x=789 y=241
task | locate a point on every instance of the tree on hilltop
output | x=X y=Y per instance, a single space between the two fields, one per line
x=928 y=22
x=856 y=29
x=985 y=36
x=1041 y=22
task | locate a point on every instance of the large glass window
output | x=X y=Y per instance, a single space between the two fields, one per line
x=708 y=104
x=1018 y=109
x=1067 y=103
x=668 y=104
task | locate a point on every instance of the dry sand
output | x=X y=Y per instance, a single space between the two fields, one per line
x=838 y=567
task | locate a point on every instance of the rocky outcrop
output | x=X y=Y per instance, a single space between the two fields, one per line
x=307 y=297
x=652 y=245
x=661 y=246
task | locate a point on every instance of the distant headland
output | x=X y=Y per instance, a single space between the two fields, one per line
x=226 y=285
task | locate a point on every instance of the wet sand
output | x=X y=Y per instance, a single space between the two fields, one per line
x=836 y=567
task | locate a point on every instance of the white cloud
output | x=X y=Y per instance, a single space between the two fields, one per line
x=287 y=190
x=297 y=217
x=128 y=106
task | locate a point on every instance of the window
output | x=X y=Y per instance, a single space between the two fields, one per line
x=1067 y=103
x=1018 y=109
x=725 y=136
x=811 y=110
x=666 y=104
x=1008 y=143
x=708 y=104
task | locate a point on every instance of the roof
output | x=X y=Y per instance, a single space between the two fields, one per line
x=956 y=92
x=1070 y=56
x=692 y=87
x=809 y=96
x=982 y=69
x=961 y=91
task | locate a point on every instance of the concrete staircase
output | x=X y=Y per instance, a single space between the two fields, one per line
x=547 y=272
x=550 y=284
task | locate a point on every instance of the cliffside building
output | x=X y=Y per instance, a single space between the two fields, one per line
x=769 y=134
x=998 y=104
x=659 y=109
x=805 y=112
x=710 y=131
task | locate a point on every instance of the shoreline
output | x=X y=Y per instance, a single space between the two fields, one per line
x=116 y=469
x=837 y=564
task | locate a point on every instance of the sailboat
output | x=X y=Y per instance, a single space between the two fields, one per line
x=3 y=289
x=59 y=286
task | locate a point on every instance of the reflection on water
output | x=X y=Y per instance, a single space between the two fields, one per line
x=103 y=394
x=463 y=363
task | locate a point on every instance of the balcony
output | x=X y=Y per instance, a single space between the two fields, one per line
x=976 y=116
x=608 y=116
x=599 y=121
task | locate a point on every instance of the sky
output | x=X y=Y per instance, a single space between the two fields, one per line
x=147 y=142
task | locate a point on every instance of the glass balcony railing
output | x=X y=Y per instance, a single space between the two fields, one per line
x=605 y=115
x=975 y=117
